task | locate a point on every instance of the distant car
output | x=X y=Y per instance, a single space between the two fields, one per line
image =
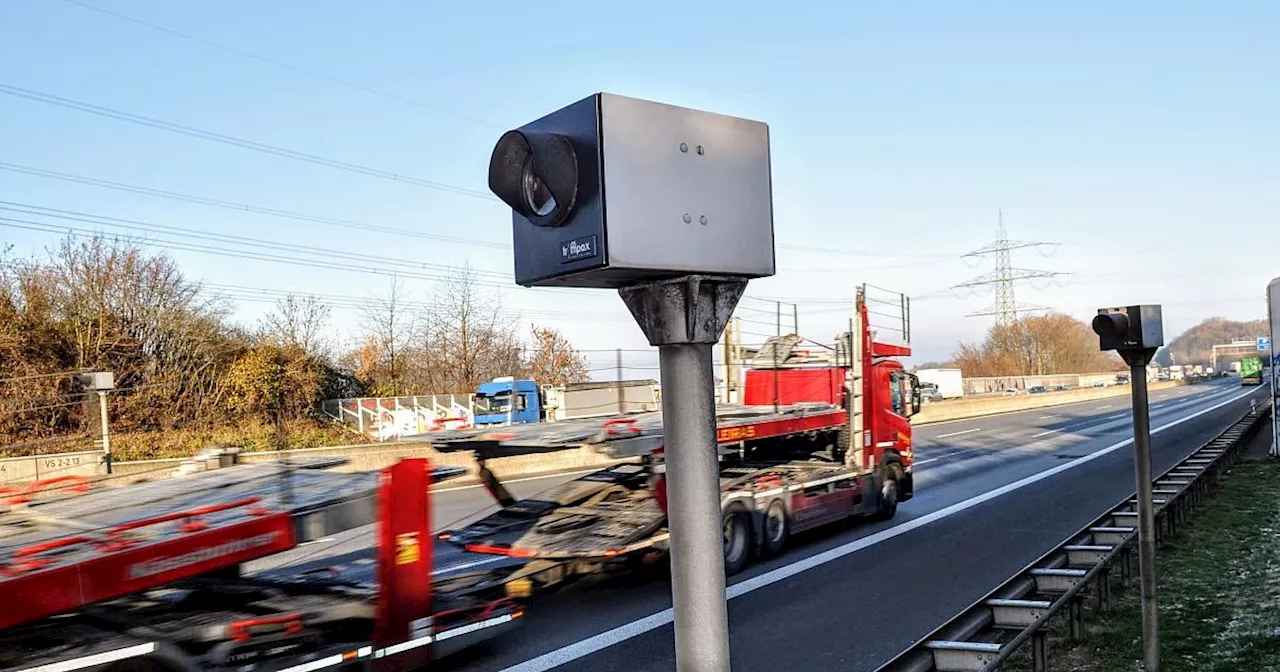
x=1009 y=392
x=1102 y=383
x=1037 y=389
x=1061 y=388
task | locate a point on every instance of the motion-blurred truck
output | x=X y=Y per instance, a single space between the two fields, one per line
x=1251 y=371
x=947 y=383
x=508 y=401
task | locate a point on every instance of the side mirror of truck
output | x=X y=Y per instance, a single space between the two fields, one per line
x=915 y=393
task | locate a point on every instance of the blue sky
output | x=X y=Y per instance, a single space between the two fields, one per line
x=1142 y=136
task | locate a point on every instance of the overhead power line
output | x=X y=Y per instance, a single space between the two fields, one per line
x=253 y=145
x=244 y=207
x=286 y=66
x=255 y=243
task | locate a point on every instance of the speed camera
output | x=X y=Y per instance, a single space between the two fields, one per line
x=1129 y=328
x=612 y=191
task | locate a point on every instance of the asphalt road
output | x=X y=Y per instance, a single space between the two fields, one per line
x=994 y=493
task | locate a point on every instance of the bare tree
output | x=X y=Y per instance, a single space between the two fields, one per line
x=468 y=338
x=299 y=322
x=391 y=324
x=1045 y=344
x=552 y=359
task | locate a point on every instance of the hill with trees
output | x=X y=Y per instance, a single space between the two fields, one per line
x=186 y=375
x=1195 y=345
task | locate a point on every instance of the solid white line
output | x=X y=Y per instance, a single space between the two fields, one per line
x=622 y=633
x=967 y=431
x=521 y=480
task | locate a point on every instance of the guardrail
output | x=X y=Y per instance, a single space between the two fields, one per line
x=992 y=629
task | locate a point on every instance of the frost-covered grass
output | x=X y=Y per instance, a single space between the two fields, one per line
x=1219 y=590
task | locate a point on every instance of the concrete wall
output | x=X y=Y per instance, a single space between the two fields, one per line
x=957 y=409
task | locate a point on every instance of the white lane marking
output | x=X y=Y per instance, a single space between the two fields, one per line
x=967 y=431
x=1117 y=415
x=935 y=459
x=1161 y=396
x=1047 y=417
x=580 y=649
x=1052 y=431
x=1104 y=406
x=521 y=480
x=465 y=565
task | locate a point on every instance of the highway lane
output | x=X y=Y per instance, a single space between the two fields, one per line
x=942 y=443
x=867 y=591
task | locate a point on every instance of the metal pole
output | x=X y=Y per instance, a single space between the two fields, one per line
x=622 y=407
x=106 y=432
x=684 y=318
x=694 y=516
x=795 y=317
x=777 y=332
x=1146 y=520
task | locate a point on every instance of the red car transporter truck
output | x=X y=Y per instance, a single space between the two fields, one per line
x=820 y=437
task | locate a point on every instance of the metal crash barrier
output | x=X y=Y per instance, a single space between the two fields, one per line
x=992 y=629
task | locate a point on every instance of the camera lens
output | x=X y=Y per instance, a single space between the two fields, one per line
x=536 y=194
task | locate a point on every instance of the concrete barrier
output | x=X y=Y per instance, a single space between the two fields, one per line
x=26 y=469
x=366 y=457
x=960 y=409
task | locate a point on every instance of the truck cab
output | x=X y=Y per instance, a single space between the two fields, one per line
x=507 y=401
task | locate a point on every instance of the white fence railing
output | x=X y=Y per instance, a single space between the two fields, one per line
x=387 y=418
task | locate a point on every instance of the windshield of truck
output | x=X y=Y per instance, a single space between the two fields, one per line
x=486 y=404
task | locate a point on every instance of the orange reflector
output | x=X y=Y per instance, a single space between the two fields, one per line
x=350 y=655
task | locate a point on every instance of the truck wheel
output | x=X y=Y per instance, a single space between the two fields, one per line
x=737 y=542
x=889 y=493
x=776 y=528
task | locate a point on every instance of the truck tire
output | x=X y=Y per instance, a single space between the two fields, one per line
x=888 y=499
x=737 y=542
x=776 y=527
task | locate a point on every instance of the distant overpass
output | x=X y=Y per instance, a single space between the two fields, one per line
x=1234 y=350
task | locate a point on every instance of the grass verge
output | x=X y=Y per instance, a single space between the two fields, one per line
x=1219 y=592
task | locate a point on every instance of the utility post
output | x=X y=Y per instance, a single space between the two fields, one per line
x=622 y=405
x=101 y=382
x=1136 y=332
x=689 y=222
x=1273 y=318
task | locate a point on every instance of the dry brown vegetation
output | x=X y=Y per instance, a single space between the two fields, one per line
x=1053 y=343
x=187 y=375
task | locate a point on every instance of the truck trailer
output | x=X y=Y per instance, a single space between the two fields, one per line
x=508 y=401
x=152 y=577
x=819 y=439
x=949 y=383
x=1251 y=371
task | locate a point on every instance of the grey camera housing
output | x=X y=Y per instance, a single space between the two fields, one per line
x=1142 y=328
x=661 y=192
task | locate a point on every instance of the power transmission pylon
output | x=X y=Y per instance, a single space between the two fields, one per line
x=1006 y=307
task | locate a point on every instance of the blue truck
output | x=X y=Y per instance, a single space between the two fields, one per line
x=512 y=401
